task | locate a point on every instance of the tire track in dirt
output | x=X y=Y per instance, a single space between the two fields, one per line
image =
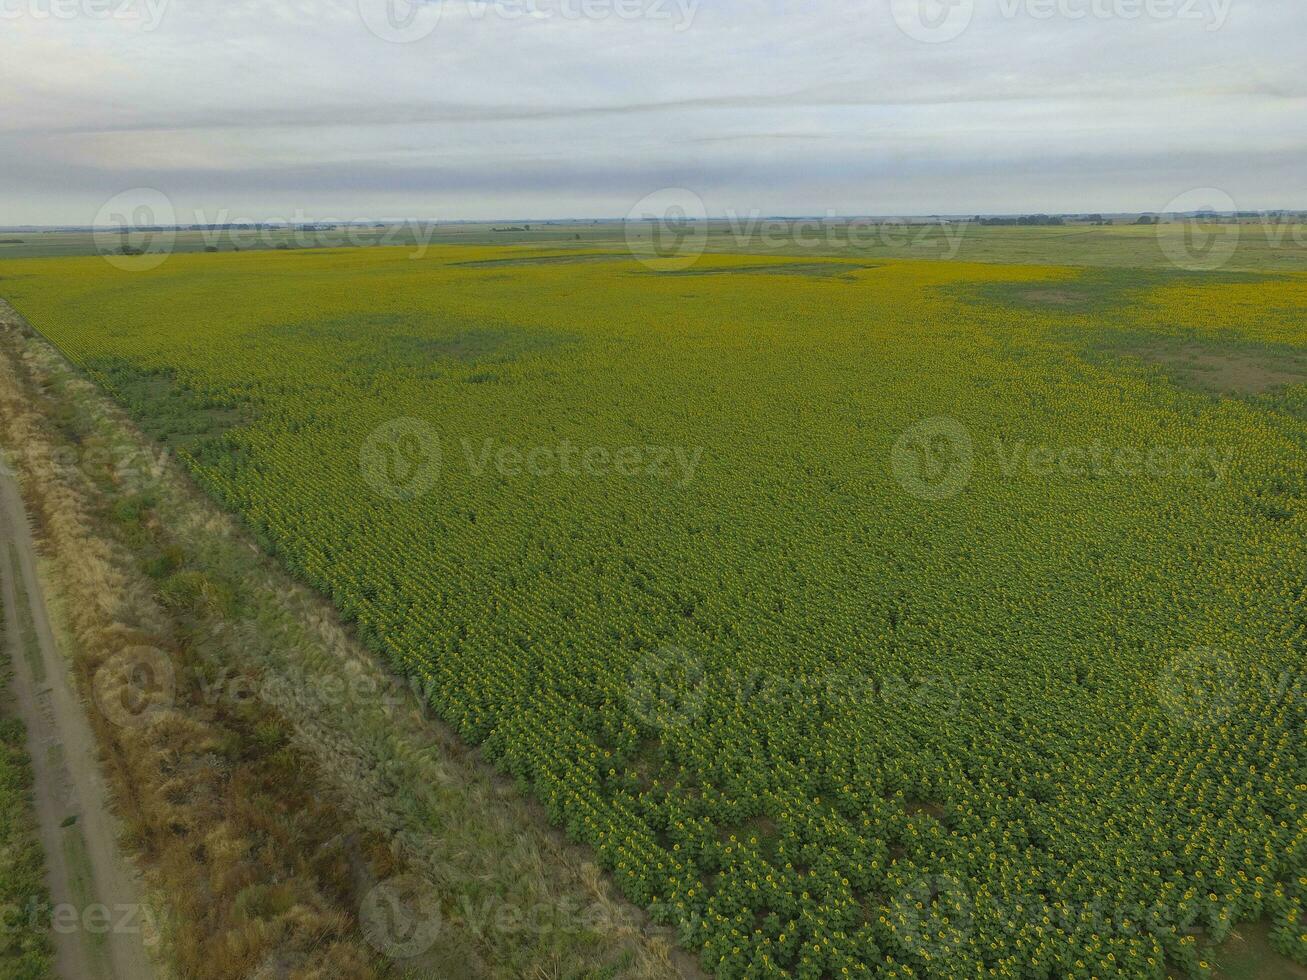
x=99 y=922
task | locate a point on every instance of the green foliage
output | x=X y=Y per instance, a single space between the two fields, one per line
x=1047 y=723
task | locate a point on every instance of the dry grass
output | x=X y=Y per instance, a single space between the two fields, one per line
x=232 y=829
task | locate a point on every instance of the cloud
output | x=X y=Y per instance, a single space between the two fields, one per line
x=268 y=106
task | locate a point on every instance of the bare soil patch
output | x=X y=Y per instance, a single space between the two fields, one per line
x=1056 y=297
x=1247 y=955
x=1226 y=371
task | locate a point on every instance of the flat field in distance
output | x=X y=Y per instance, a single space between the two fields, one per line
x=867 y=616
x=1262 y=246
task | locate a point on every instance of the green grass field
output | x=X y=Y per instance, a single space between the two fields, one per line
x=866 y=616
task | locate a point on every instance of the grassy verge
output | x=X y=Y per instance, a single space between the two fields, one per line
x=26 y=952
x=254 y=859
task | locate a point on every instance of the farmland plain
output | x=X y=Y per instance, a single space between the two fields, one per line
x=1264 y=245
x=866 y=616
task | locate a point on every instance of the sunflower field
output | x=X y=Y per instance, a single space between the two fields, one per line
x=883 y=619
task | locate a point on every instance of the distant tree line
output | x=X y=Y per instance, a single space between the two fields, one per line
x=1025 y=219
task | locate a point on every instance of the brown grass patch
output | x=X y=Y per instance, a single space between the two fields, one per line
x=1055 y=297
x=1225 y=371
x=215 y=806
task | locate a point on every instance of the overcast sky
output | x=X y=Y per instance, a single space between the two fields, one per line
x=348 y=109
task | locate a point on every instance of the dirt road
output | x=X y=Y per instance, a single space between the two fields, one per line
x=100 y=925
